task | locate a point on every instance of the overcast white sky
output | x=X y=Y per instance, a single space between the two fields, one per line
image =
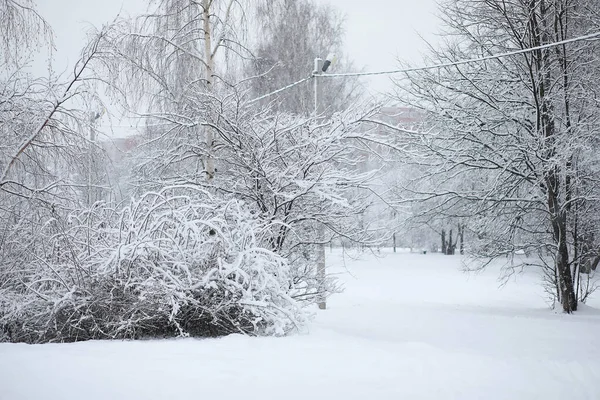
x=377 y=31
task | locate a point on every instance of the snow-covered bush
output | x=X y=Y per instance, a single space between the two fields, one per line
x=305 y=172
x=176 y=262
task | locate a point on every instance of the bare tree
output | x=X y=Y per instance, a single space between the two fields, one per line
x=40 y=126
x=44 y=142
x=508 y=141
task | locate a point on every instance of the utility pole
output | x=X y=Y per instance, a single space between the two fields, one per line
x=316 y=72
x=321 y=270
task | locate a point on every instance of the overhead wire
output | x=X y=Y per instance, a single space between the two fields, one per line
x=291 y=85
x=591 y=36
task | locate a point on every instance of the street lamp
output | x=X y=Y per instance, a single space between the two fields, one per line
x=321 y=66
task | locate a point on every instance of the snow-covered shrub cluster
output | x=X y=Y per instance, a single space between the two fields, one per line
x=300 y=171
x=234 y=199
x=176 y=262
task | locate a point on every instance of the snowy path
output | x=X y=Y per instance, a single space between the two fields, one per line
x=408 y=327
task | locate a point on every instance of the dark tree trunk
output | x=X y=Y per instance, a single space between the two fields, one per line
x=461 y=237
x=567 y=291
x=559 y=229
x=444 y=241
x=595 y=262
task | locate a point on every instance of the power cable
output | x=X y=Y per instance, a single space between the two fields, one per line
x=468 y=61
x=590 y=36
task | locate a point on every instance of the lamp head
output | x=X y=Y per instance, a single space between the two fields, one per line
x=329 y=60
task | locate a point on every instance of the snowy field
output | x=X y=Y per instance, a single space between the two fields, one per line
x=408 y=326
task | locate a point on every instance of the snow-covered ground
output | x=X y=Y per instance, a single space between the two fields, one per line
x=408 y=326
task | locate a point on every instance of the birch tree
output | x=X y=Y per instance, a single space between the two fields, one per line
x=169 y=55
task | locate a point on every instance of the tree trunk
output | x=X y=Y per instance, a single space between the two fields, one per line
x=209 y=164
x=451 y=245
x=461 y=236
x=595 y=263
x=558 y=216
x=567 y=291
x=443 y=241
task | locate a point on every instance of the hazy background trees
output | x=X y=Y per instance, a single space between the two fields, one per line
x=290 y=35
